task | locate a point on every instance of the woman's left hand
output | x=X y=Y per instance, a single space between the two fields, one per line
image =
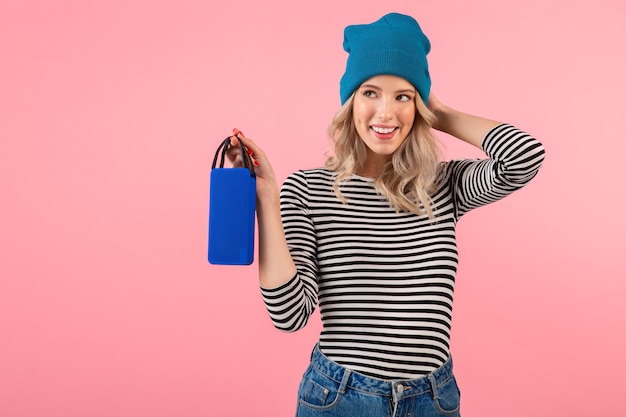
x=466 y=127
x=436 y=107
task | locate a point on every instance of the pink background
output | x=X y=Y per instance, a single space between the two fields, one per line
x=110 y=113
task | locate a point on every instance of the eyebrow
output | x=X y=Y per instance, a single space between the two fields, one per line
x=408 y=90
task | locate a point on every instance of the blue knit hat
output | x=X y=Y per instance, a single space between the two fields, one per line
x=393 y=45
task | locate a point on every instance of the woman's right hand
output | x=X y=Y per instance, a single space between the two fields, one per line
x=276 y=267
x=266 y=185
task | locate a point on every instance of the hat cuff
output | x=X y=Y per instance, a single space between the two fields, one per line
x=365 y=65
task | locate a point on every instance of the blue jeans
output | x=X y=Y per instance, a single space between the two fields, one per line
x=330 y=390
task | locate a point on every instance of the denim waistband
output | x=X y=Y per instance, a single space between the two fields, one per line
x=393 y=388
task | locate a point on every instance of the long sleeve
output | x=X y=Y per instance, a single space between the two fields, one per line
x=514 y=159
x=291 y=304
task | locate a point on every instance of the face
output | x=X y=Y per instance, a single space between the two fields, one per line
x=384 y=111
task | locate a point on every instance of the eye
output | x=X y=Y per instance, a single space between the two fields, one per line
x=369 y=93
x=404 y=97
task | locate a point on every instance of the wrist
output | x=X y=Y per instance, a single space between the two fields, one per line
x=268 y=199
x=444 y=117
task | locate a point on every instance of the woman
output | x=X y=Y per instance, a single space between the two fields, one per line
x=371 y=236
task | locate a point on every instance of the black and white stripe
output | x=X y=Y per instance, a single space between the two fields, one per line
x=384 y=281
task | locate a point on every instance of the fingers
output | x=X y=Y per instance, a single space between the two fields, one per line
x=234 y=151
x=433 y=103
x=233 y=154
x=248 y=143
x=253 y=150
x=263 y=168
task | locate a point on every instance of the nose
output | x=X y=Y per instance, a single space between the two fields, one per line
x=385 y=109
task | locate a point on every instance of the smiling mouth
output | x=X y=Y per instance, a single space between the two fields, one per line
x=384 y=130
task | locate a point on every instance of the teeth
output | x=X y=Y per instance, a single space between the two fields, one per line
x=383 y=130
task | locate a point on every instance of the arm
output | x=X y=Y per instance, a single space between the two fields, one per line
x=276 y=267
x=514 y=157
x=289 y=292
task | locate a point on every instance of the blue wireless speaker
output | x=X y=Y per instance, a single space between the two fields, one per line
x=232 y=201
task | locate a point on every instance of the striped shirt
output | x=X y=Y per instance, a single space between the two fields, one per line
x=384 y=280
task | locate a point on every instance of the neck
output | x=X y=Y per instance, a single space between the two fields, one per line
x=373 y=167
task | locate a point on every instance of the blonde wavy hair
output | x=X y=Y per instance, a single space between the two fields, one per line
x=409 y=179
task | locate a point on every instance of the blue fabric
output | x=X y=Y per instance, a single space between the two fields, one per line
x=393 y=45
x=232 y=203
x=330 y=390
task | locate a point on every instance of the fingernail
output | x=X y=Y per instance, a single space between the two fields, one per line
x=249 y=151
x=256 y=163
